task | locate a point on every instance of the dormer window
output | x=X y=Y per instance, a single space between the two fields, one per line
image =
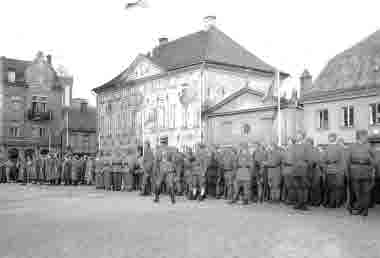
x=11 y=75
x=83 y=107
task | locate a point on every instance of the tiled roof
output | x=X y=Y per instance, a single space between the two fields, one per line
x=211 y=46
x=85 y=121
x=356 y=67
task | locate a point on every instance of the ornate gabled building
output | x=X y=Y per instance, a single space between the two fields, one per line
x=345 y=96
x=32 y=94
x=203 y=87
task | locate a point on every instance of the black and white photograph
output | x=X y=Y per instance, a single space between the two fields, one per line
x=189 y=129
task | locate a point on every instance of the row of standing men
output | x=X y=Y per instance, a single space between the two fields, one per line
x=299 y=175
x=50 y=169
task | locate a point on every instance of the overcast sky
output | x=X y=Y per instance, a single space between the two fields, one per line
x=97 y=39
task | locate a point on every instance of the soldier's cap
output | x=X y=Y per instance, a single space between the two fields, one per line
x=302 y=133
x=332 y=137
x=360 y=133
x=310 y=140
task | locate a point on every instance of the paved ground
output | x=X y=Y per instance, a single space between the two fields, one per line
x=81 y=222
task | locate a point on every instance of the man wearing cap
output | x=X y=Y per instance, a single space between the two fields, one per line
x=296 y=163
x=315 y=174
x=244 y=167
x=188 y=166
x=273 y=166
x=361 y=172
x=178 y=160
x=333 y=164
x=165 y=173
x=148 y=162
x=259 y=179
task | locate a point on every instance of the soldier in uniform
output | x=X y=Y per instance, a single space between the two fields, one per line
x=188 y=163
x=361 y=172
x=205 y=157
x=288 y=194
x=99 y=163
x=227 y=172
x=296 y=164
x=3 y=159
x=315 y=173
x=148 y=162
x=165 y=174
x=66 y=170
x=244 y=167
x=75 y=170
x=273 y=166
x=260 y=179
x=178 y=160
x=333 y=162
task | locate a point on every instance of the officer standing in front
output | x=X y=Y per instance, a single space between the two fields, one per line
x=165 y=174
x=244 y=167
x=273 y=166
x=296 y=163
x=333 y=163
x=361 y=172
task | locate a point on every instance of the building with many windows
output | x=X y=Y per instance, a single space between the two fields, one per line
x=345 y=96
x=35 y=105
x=203 y=87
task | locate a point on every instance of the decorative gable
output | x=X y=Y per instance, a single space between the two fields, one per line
x=244 y=99
x=142 y=67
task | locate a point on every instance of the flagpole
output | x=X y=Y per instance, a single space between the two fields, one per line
x=279 y=126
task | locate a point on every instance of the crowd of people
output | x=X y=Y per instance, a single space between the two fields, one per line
x=47 y=169
x=299 y=175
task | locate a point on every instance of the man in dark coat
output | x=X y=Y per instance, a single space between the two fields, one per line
x=273 y=166
x=259 y=178
x=165 y=173
x=315 y=173
x=361 y=165
x=148 y=162
x=296 y=163
x=334 y=168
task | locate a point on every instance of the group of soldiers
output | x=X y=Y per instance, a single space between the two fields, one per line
x=299 y=175
x=47 y=169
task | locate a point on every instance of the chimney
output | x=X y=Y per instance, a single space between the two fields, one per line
x=162 y=41
x=48 y=59
x=306 y=80
x=209 y=21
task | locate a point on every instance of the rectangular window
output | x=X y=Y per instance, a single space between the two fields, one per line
x=42 y=132
x=14 y=131
x=347 y=116
x=39 y=104
x=323 y=119
x=83 y=107
x=374 y=111
x=11 y=76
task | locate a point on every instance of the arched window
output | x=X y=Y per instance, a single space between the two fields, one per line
x=246 y=129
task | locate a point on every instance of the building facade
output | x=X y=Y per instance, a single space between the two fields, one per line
x=345 y=96
x=35 y=106
x=82 y=135
x=203 y=87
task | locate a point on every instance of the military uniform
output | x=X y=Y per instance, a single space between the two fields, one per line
x=66 y=174
x=147 y=165
x=315 y=173
x=107 y=173
x=75 y=170
x=361 y=173
x=116 y=175
x=244 y=167
x=259 y=177
x=333 y=162
x=165 y=173
x=296 y=163
x=99 y=179
x=273 y=166
x=3 y=175
x=227 y=168
x=178 y=161
x=188 y=165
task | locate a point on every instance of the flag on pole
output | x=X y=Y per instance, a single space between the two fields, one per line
x=277 y=82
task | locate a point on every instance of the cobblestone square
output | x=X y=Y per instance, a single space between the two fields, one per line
x=58 y=221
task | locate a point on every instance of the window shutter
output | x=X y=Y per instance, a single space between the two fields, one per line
x=351 y=116
x=372 y=114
